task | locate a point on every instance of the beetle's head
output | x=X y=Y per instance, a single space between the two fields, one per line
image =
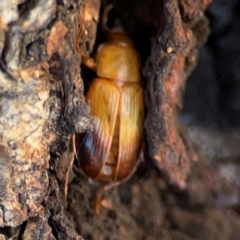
x=117 y=59
x=118 y=36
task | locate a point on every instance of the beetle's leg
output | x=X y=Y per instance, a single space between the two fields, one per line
x=87 y=61
x=100 y=193
x=111 y=185
x=70 y=166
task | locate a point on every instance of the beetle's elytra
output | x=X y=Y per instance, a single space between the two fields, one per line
x=111 y=152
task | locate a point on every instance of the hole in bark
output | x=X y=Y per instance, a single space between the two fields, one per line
x=36 y=51
x=71 y=8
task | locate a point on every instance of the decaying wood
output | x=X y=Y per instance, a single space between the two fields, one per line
x=42 y=104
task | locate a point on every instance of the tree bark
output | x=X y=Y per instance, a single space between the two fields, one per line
x=175 y=194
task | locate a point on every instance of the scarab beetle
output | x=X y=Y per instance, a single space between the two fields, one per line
x=111 y=152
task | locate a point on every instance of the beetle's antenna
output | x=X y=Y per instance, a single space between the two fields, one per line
x=85 y=59
x=105 y=18
x=70 y=167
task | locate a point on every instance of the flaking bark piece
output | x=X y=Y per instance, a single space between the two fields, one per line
x=177 y=28
x=173 y=56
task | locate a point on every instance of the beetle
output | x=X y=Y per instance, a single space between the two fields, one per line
x=111 y=152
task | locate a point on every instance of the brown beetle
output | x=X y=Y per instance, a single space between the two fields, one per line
x=111 y=152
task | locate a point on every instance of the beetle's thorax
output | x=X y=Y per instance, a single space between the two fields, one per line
x=118 y=60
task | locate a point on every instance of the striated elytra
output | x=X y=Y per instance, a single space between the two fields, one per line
x=111 y=152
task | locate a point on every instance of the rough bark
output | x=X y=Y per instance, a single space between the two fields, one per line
x=191 y=188
x=42 y=103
